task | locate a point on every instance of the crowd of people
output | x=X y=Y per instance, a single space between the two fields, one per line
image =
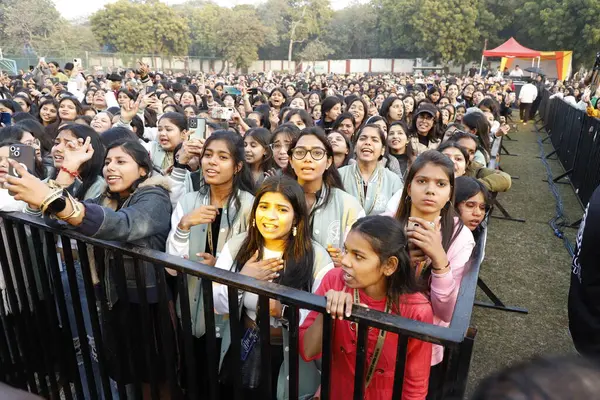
x=364 y=188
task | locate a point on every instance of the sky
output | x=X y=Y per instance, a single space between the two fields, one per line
x=75 y=9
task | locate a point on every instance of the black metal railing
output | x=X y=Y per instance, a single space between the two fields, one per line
x=36 y=352
x=574 y=136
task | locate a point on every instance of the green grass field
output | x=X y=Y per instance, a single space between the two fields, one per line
x=526 y=265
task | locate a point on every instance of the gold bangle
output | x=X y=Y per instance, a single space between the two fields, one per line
x=49 y=199
x=76 y=209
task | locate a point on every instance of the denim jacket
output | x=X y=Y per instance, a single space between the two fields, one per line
x=142 y=220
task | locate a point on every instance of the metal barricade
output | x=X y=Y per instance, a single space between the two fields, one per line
x=38 y=355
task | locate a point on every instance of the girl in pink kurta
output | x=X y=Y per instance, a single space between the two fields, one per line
x=439 y=244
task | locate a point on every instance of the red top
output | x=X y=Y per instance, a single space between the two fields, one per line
x=418 y=356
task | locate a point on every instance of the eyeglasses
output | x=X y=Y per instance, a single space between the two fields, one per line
x=425 y=116
x=317 y=153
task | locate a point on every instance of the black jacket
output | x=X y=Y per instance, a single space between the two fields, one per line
x=584 y=293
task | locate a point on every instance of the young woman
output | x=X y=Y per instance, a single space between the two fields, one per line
x=298 y=103
x=472 y=203
x=48 y=112
x=342 y=148
x=314 y=98
x=375 y=272
x=434 y=94
x=316 y=112
x=300 y=118
x=477 y=124
x=439 y=244
x=466 y=98
x=345 y=124
x=458 y=155
x=332 y=210
x=277 y=247
x=281 y=140
x=452 y=94
x=461 y=110
x=172 y=130
x=278 y=99
x=366 y=180
x=330 y=111
x=358 y=108
x=425 y=127
x=392 y=110
x=133 y=194
x=102 y=122
x=409 y=107
x=397 y=143
x=205 y=219
x=258 y=153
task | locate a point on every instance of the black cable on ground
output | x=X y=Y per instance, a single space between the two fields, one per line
x=559 y=221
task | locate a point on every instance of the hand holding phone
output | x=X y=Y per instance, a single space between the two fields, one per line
x=24 y=155
x=198 y=128
x=5 y=119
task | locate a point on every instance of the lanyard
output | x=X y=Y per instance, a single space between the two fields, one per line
x=378 y=345
x=361 y=191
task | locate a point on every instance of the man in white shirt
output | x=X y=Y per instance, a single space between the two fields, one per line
x=517 y=72
x=527 y=96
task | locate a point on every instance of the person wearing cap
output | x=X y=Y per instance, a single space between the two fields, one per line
x=424 y=128
x=115 y=83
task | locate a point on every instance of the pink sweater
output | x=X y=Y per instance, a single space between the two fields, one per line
x=444 y=287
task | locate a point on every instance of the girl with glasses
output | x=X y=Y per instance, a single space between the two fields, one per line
x=332 y=210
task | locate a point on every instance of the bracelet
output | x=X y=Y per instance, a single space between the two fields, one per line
x=54 y=195
x=76 y=209
x=123 y=122
x=73 y=174
x=441 y=269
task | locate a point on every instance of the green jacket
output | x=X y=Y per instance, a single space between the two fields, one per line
x=381 y=187
x=494 y=180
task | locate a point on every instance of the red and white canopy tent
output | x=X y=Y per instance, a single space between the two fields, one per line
x=512 y=48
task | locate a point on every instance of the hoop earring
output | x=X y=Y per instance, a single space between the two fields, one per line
x=294 y=231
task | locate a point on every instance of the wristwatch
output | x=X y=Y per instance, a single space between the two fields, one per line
x=57 y=205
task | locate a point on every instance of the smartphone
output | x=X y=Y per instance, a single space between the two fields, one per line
x=198 y=127
x=54 y=80
x=5 y=119
x=43 y=59
x=232 y=90
x=77 y=62
x=222 y=113
x=253 y=91
x=24 y=155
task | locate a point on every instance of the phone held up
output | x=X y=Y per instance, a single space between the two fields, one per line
x=198 y=127
x=24 y=155
x=222 y=113
x=5 y=119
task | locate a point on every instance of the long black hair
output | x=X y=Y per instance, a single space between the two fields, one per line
x=467 y=187
x=478 y=121
x=298 y=255
x=448 y=213
x=140 y=156
x=91 y=169
x=242 y=180
x=385 y=108
x=388 y=239
x=263 y=137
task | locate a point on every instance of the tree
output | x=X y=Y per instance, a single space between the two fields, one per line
x=27 y=24
x=238 y=40
x=561 y=25
x=352 y=32
x=315 y=50
x=306 y=18
x=203 y=21
x=149 y=27
x=442 y=31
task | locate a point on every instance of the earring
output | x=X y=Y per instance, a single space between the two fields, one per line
x=254 y=223
x=408 y=199
x=294 y=231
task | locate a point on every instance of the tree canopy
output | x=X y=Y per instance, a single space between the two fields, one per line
x=447 y=31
